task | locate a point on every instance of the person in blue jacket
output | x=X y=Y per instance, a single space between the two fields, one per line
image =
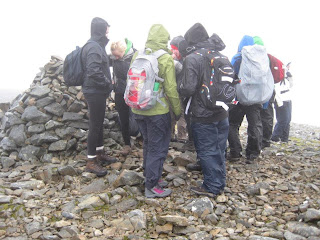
x=237 y=113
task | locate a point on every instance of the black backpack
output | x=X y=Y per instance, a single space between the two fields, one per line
x=73 y=72
x=218 y=83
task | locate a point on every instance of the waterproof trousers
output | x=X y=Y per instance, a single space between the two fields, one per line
x=267 y=124
x=124 y=113
x=156 y=133
x=97 y=108
x=236 y=115
x=210 y=140
x=282 y=127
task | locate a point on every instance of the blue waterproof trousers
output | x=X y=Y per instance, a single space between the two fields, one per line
x=210 y=141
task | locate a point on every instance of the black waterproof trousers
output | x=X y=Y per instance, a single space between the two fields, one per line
x=267 y=125
x=97 y=108
x=124 y=112
x=252 y=113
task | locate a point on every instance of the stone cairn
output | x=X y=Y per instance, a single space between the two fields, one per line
x=49 y=121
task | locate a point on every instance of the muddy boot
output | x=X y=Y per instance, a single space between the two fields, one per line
x=93 y=166
x=104 y=159
x=126 y=150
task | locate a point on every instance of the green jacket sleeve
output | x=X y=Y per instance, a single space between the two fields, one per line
x=170 y=84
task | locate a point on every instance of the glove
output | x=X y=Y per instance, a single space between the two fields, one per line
x=177 y=117
x=289 y=74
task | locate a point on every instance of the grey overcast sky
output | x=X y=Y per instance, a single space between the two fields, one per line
x=33 y=30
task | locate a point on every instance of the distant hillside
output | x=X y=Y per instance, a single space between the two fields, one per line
x=7 y=95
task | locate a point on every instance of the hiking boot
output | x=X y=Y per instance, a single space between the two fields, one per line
x=126 y=150
x=157 y=191
x=265 y=145
x=233 y=158
x=104 y=159
x=93 y=166
x=202 y=191
x=162 y=183
x=250 y=159
x=194 y=166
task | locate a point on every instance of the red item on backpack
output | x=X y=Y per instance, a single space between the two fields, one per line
x=277 y=68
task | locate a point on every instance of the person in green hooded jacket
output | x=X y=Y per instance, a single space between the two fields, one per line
x=155 y=123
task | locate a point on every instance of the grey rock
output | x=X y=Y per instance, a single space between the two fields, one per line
x=138 y=219
x=312 y=215
x=200 y=205
x=84 y=124
x=185 y=230
x=97 y=223
x=185 y=158
x=46 y=81
x=55 y=108
x=7 y=144
x=303 y=229
x=17 y=134
x=65 y=132
x=31 y=113
x=46 y=137
x=89 y=202
x=255 y=189
x=71 y=116
x=67 y=170
x=40 y=91
x=202 y=235
x=50 y=125
x=71 y=143
x=76 y=106
x=255 y=237
x=128 y=177
x=96 y=186
x=31 y=153
x=40 y=103
x=125 y=205
x=32 y=184
x=290 y=236
x=36 y=128
x=5 y=199
x=10 y=119
x=60 y=145
x=7 y=162
x=175 y=220
x=47 y=158
x=33 y=227
x=220 y=209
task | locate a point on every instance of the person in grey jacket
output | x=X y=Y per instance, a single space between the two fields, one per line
x=96 y=89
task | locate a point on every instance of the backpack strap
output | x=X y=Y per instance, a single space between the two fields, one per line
x=159 y=53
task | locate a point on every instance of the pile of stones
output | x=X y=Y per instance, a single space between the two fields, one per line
x=50 y=120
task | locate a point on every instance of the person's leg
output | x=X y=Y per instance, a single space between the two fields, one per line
x=236 y=115
x=280 y=124
x=142 y=122
x=96 y=106
x=287 y=114
x=210 y=142
x=158 y=134
x=267 y=125
x=123 y=111
x=254 y=131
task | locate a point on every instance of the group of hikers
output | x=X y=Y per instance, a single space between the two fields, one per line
x=184 y=75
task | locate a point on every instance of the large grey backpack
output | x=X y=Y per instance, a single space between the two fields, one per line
x=142 y=90
x=257 y=84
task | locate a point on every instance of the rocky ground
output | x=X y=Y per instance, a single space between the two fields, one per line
x=45 y=193
x=277 y=197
